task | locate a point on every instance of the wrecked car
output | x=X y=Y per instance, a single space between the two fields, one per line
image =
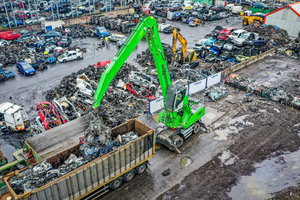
x=49 y=115
x=141 y=79
x=66 y=109
x=85 y=85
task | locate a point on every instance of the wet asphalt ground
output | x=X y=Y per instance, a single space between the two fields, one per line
x=30 y=90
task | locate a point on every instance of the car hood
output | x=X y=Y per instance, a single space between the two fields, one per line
x=29 y=70
x=232 y=37
x=218 y=44
x=238 y=40
x=228 y=46
x=209 y=41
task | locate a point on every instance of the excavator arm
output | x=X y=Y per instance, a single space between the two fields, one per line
x=146 y=25
x=182 y=40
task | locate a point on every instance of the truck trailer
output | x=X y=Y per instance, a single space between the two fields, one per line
x=98 y=176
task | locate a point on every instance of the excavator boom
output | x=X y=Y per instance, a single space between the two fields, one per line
x=145 y=24
x=178 y=113
x=182 y=40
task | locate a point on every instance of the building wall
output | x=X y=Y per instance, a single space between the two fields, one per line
x=285 y=19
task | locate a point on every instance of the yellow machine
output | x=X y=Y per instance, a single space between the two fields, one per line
x=196 y=22
x=251 y=19
x=182 y=56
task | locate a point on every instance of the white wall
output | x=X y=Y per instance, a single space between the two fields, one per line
x=285 y=19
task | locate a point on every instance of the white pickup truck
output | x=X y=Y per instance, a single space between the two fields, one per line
x=70 y=55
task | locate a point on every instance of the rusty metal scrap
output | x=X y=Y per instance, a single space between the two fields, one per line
x=275 y=36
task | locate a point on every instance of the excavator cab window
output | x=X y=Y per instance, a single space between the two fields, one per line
x=179 y=100
x=171 y=94
x=174 y=100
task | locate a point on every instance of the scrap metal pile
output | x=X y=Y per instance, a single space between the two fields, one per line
x=80 y=31
x=96 y=143
x=292 y=49
x=117 y=106
x=32 y=51
x=263 y=91
x=146 y=58
x=275 y=36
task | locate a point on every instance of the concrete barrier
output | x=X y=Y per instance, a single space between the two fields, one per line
x=246 y=63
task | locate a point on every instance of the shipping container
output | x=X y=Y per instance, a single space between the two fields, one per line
x=260 y=10
x=97 y=176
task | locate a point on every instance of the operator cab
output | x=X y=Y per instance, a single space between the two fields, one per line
x=175 y=96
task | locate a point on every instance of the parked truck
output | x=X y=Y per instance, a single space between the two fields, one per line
x=98 y=176
x=14 y=117
x=102 y=32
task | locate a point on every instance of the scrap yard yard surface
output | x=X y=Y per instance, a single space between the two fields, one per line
x=247 y=143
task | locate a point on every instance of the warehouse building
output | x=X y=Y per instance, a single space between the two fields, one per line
x=287 y=18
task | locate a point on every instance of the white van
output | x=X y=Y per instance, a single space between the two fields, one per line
x=247 y=13
x=229 y=7
x=14 y=116
x=237 y=10
x=116 y=37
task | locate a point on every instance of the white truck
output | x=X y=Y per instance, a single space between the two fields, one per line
x=51 y=25
x=13 y=116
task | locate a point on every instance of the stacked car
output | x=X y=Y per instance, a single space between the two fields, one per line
x=230 y=44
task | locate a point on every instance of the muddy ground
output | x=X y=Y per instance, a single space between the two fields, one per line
x=272 y=136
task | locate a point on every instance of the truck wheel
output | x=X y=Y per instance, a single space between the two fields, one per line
x=115 y=184
x=245 y=23
x=197 y=128
x=177 y=141
x=141 y=168
x=129 y=176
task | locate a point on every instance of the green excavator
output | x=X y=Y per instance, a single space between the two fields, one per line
x=181 y=116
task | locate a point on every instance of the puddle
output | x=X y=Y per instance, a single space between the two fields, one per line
x=271 y=176
x=8 y=151
x=227 y=158
x=235 y=125
x=185 y=161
